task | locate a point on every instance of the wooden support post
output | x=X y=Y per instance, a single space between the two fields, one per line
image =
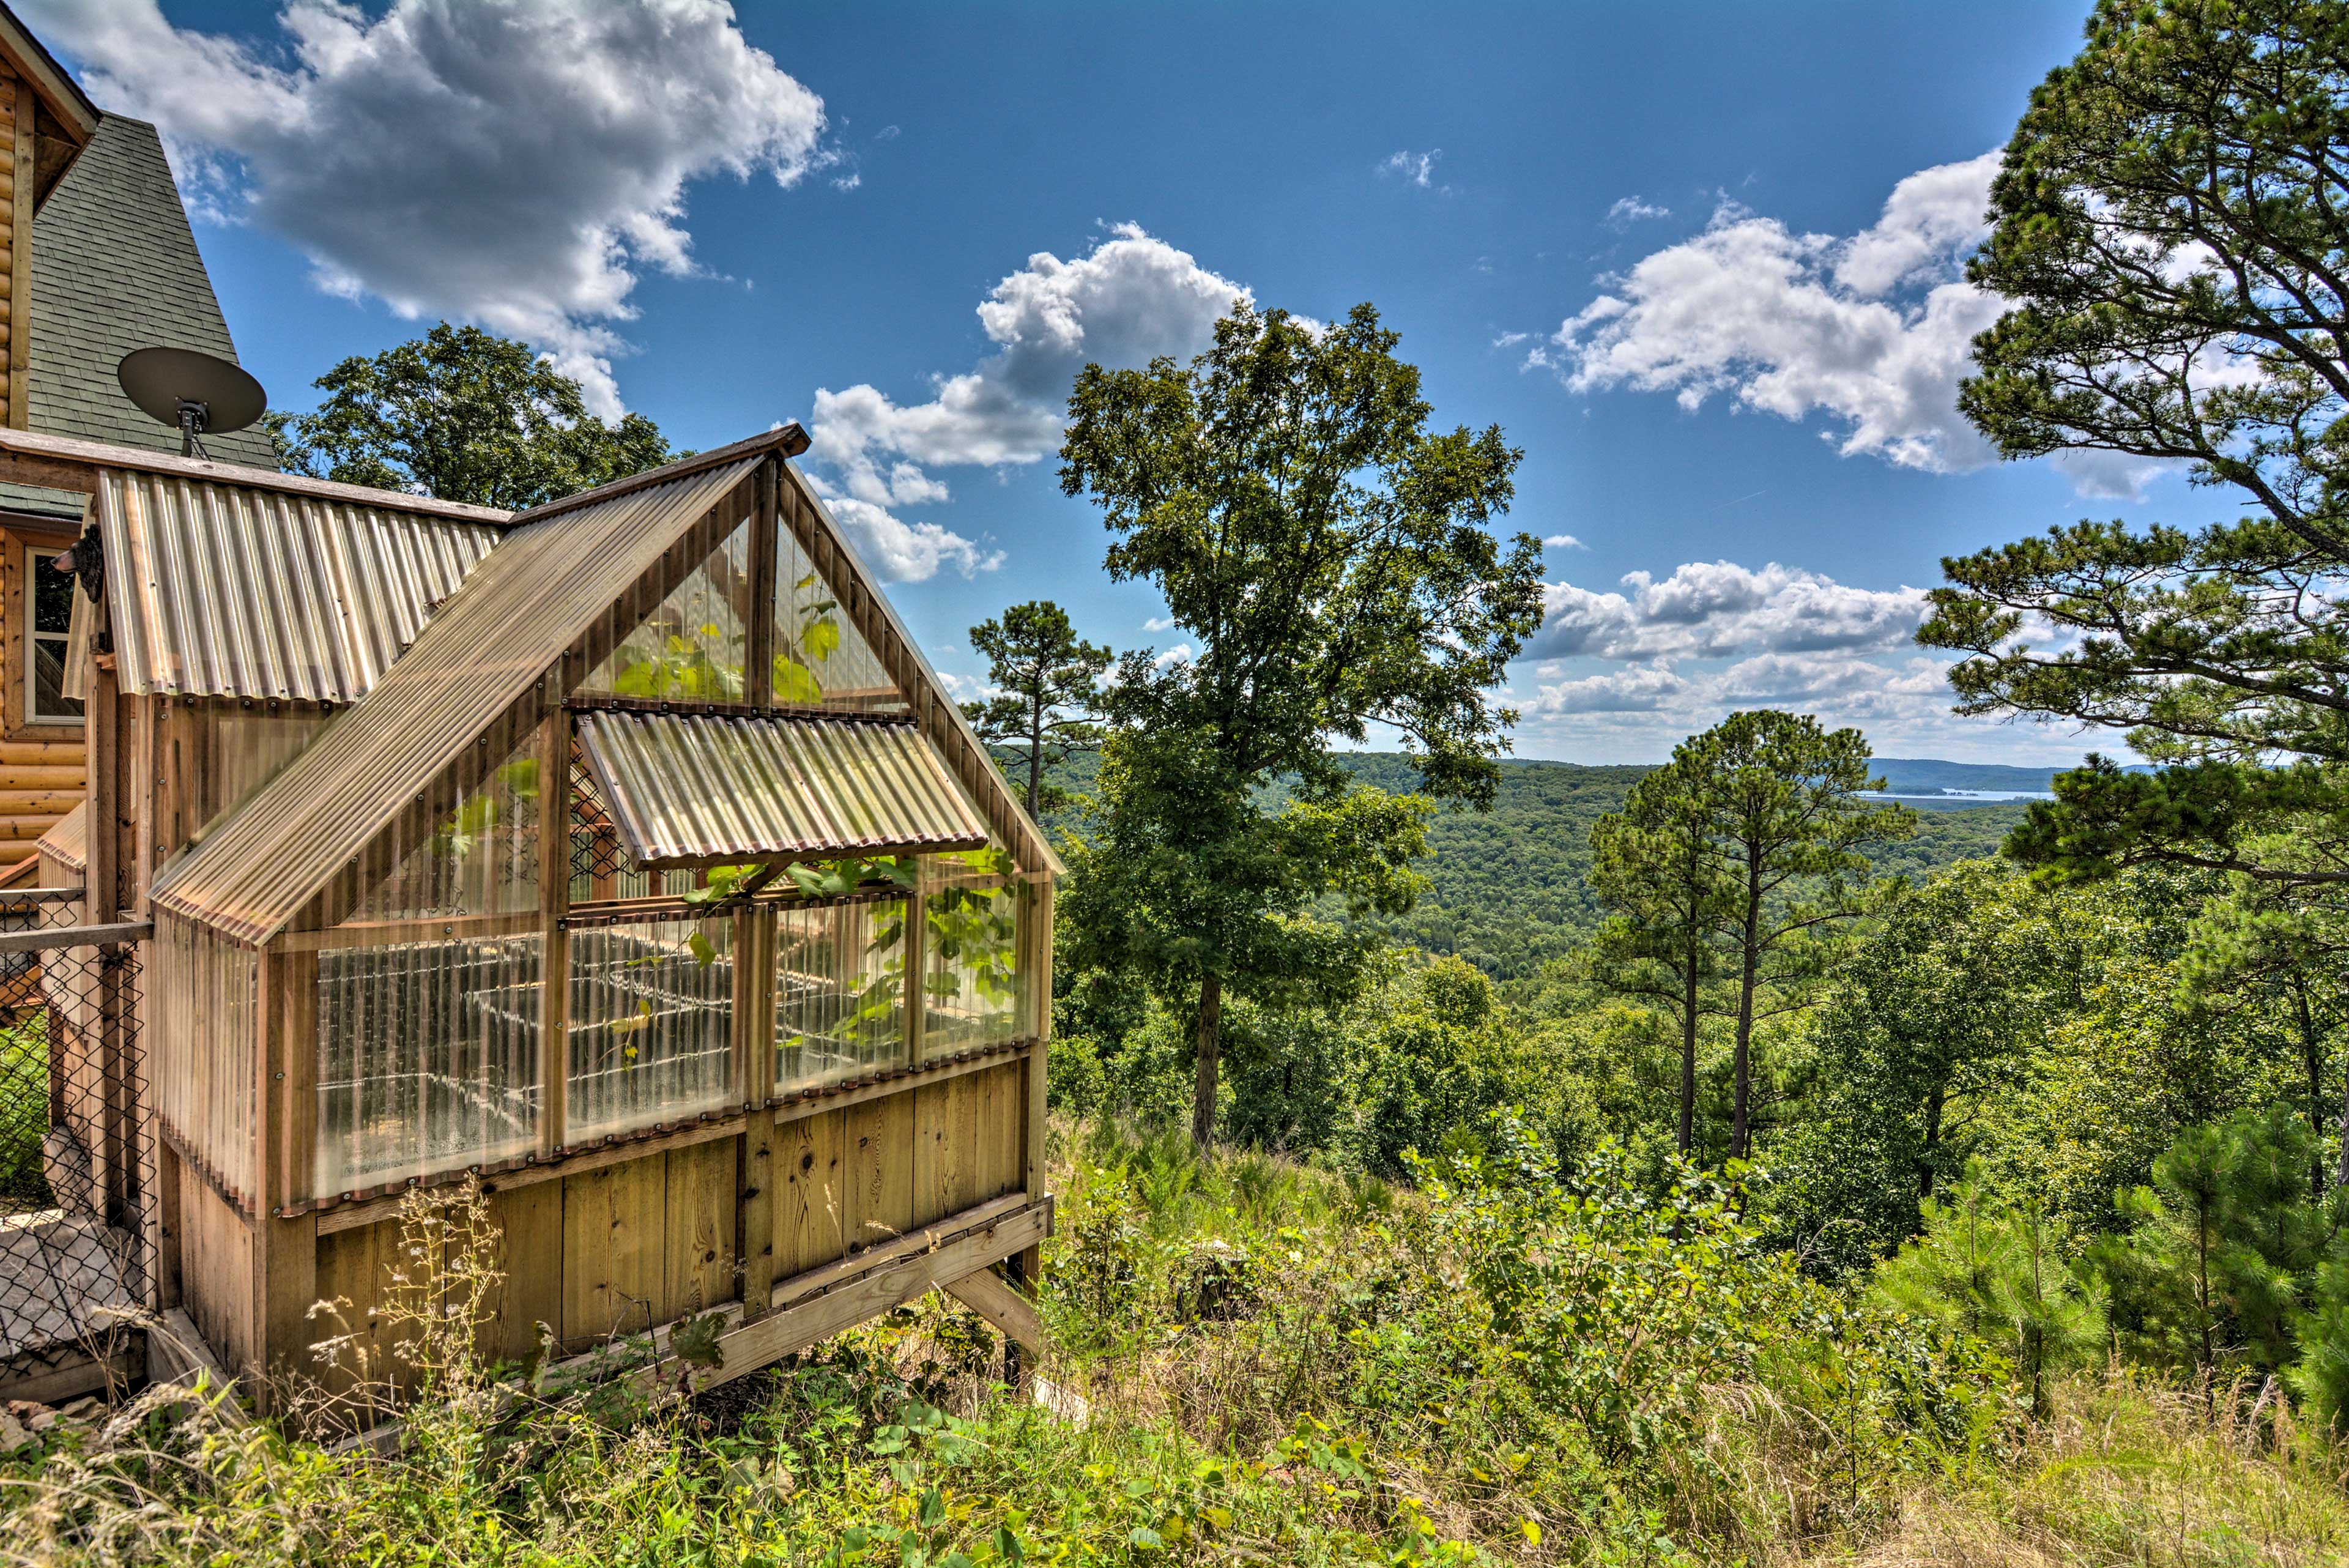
x=163 y=1229
x=759 y=624
x=284 y=1249
x=1040 y=1003
x=554 y=902
x=101 y=741
x=116 y=1160
x=754 y=1035
x=916 y=961
x=998 y=1299
x=140 y=795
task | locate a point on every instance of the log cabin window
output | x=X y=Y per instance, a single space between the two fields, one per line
x=48 y=629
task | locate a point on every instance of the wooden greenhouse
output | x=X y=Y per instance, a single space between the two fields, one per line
x=625 y=854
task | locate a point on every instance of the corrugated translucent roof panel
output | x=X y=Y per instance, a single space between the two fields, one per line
x=228 y=591
x=472 y=668
x=68 y=841
x=691 y=789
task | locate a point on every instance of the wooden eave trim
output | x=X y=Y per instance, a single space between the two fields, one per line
x=789 y=439
x=68 y=462
x=604 y=703
x=593 y=915
x=779 y=857
x=60 y=94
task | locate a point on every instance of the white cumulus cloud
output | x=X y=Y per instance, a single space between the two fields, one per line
x=519 y=166
x=1709 y=610
x=1623 y=674
x=1563 y=542
x=1873 y=330
x=1133 y=296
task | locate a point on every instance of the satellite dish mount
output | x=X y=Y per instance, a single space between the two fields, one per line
x=191 y=392
x=193 y=415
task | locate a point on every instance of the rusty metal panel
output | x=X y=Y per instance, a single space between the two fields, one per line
x=690 y=789
x=219 y=589
x=401 y=756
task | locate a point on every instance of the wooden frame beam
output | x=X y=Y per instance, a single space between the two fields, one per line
x=985 y=1292
x=759 y=622
x=353 y=1214
x=554 y=903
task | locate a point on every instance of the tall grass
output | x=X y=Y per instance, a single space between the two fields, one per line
x=1250 y=1362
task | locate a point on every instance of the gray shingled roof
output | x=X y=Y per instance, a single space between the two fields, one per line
x=115 y=267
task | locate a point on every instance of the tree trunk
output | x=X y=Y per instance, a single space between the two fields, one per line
x=2312 y=1048
x=1211 y=1047
x=1687 y=1056
x=1739 y=1120
x=1035 y=762
x=1933 y=1102
x=2202 y=1302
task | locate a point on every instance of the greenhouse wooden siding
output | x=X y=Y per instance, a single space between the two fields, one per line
x=492 y=884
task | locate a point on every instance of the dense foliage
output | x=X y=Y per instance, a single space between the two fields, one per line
x=1333 y=563
x=1252 y=1363
x=463 y=415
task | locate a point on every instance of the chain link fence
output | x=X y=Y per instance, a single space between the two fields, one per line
x=76 y=1144
x=601 y=869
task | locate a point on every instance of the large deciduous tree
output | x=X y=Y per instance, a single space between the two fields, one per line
x=1331 y=565
x=1048 y=691
x=464 y=415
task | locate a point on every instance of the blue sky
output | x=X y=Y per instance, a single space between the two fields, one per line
x=1652 y=243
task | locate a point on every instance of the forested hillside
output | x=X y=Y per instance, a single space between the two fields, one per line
x=1508 y=889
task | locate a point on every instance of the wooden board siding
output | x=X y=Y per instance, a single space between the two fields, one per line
x=216 y=1272
x=639 y=1243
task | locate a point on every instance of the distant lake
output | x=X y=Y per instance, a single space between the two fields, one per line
x=1957 y=799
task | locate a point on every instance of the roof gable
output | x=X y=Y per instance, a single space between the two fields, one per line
x=567 y=586
x=116 y=267
x=405 y=754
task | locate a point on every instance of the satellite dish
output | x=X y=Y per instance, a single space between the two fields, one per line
x=191 y=392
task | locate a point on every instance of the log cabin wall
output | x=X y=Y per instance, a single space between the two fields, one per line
x=41 y=762
x=41 y=765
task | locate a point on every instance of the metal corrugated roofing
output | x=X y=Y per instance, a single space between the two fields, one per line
x=474 y=664
x=231 y=590
x=940 y=715
x=689 y=789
